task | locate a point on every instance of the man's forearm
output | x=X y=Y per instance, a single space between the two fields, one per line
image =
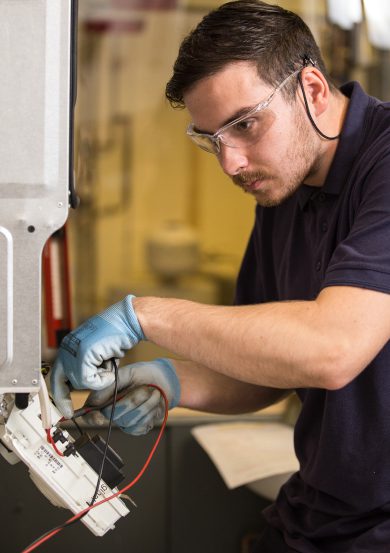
x=203 y=389
x=323 y=343
x=272 y=345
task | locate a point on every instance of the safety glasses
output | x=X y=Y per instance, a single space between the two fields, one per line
x=243 y=131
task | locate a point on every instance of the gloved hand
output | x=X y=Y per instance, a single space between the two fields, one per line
x=142 y=407
x=82 y=352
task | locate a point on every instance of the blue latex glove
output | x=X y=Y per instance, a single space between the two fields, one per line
x=142 y=407
x=82 y=353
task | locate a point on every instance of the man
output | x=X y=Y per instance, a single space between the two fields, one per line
x=313 y=303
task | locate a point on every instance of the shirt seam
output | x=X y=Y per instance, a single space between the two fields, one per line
x=358 y=283
x=362 y=268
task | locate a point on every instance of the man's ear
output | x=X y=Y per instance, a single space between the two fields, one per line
x=316 y=90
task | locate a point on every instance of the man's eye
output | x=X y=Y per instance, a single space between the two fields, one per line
x=244 y=126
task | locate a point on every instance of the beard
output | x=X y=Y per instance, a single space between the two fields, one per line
x=300 y=161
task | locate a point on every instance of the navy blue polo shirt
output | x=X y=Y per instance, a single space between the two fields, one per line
x=336 y=235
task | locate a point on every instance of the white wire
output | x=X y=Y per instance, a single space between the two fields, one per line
x=45 y=403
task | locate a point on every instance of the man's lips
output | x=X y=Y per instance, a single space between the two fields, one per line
x=250 y=182
x=252 y=186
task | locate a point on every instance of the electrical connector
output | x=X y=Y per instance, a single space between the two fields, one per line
x=58 y=436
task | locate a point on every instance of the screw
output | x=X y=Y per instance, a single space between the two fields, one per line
x=14 y=381
x=34 y=381
x=60 y=204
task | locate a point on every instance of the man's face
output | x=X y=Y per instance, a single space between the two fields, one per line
x=288 y=150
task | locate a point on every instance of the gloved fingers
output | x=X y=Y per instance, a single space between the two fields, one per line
x=100 y=397
x=109 y=364
x=162 y=373
x=160 y=411
x=60 y=389
x=105 y=377
x=94 y=418
x=90 y=348
x=149 y=421
x=134 y=406
x=99 y=418
x=143 y=425
x=96 y=377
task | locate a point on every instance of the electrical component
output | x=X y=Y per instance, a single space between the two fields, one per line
x=49 y=534
x=92 y=450
x=64 y=477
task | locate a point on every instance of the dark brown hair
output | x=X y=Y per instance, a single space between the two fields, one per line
x=275 y=39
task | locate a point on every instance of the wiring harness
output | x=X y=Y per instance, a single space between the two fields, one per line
x=45 y=407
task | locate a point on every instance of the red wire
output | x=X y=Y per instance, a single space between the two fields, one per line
x=52 y=443
x=127 y=487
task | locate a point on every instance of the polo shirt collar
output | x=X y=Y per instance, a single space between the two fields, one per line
x=349 y=145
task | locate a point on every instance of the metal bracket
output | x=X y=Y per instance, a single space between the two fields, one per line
x=37 y=95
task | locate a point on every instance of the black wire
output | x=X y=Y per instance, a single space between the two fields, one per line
x=73 y=419
x=66 y=524
x=309 y=114
x=108 y=433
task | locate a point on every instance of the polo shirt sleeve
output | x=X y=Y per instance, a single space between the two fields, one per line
x=362 y=258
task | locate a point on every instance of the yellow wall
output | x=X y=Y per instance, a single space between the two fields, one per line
x=122 y=78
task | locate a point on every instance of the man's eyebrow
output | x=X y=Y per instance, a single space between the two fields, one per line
x=233 y=117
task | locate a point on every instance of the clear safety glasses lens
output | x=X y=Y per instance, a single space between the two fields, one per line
x=208 y=143
x=242 y=132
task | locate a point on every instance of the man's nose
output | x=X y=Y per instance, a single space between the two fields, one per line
x=232 y=160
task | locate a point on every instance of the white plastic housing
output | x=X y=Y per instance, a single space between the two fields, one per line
x=66 y=481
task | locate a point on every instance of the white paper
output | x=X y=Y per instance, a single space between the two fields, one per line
x=249 y=451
